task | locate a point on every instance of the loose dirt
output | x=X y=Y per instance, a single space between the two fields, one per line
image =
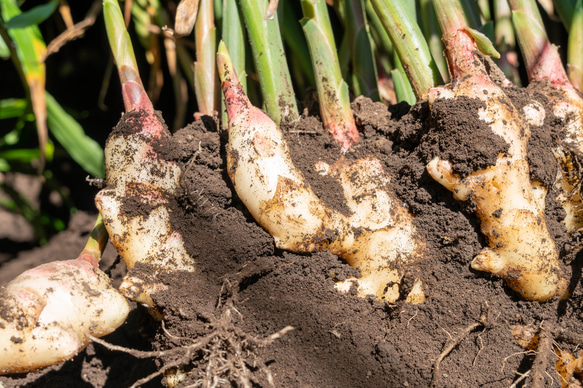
x=245 y=290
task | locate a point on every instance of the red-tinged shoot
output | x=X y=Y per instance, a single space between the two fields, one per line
x=48 y=311
x=263 y=173
x=378 y=237
x=333 y=95
x=136 y=174
x=544 y=64
x=510 y=206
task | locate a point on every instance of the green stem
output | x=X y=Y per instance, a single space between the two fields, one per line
x=362 y=57
x=233 y=35
x=133 y=91
x=461 y=41
x=205 y=77
x=432 y=33
x=296 y=42
x=96 y=243
x=409 y=43
x=505 y=40
x=270 y=61
x=451 y=16
x=382 y=38
x=333 y=92
x=542 y=59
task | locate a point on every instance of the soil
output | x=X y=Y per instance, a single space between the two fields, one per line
x=223 y=317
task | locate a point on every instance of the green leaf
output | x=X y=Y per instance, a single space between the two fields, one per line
x=484 y=44
x=69 y=133
x=403 y=88
x=11 y=138
x=12 y=107
x=25 y=155
x=4 y=50
x=4 y=166
x=565 y=10
x=33 y=16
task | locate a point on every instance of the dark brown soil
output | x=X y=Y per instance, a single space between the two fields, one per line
x=246 y=290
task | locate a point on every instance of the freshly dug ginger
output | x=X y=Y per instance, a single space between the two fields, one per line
x=543 y=64
x=509 y=205
x=136 y=174
x=378 y=237
x=46 y=312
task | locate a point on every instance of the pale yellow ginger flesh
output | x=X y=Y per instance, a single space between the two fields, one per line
x=567 y=105
x=134 y=172
x=568 y=108
x=386 y=233
x=509 y=205
x=378 y=237
x=46 y=312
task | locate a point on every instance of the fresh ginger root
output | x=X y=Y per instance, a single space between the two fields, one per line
x=46 y=312
x=543 y=64
x=136 y=174
x=379 y=237
x=509 y=205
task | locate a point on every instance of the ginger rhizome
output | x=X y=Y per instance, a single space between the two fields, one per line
x=378 y=236
x=137 y=175
x=47 y=312
x=510 y=206
x=543 y=65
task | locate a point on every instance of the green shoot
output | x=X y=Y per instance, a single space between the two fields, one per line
x=234 y=38
x=205 y=77
x=270 y=61
x=365 y=80
x=332 y=90
x=432 y=33
x=506 y=41
x=541 y=58
x=134 y=94
x=410 y=45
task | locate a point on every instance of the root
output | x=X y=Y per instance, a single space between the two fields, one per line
x=453 y=342
x=518 y=380
x=227 y=351
x=544 y=352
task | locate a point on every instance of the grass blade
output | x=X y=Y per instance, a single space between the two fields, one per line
x=29 y=49
x=296 y=42
x=69 y=133
x=432 y=33
x=12 y=107
x=33 y=16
